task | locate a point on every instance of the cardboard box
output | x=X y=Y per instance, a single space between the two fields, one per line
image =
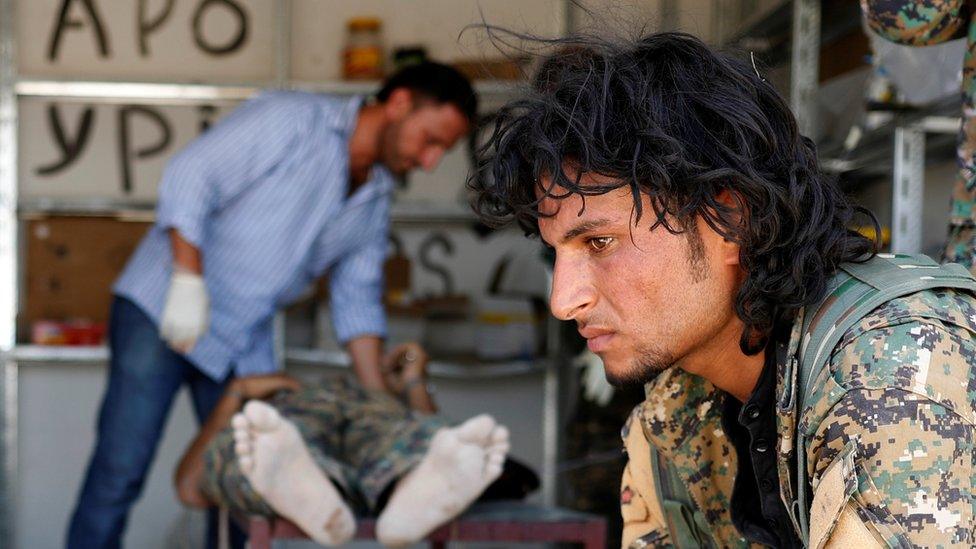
x=71 y=264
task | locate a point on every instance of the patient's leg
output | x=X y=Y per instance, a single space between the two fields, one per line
x=461 y=462
x=277 y=463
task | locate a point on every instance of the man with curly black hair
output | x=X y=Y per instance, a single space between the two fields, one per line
x=802 y=390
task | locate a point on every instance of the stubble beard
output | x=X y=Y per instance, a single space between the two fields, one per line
x=646 y=365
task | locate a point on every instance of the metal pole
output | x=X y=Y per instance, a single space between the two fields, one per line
x=805 y=68
x=551 y=384
x=8 y=269
x=8 y=476
x=282 y=43
x=282 y=76
x=670 y=19
x=568 y=24
x=907 y=192
x=550 y=415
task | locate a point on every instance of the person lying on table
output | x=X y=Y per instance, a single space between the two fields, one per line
x=313 y=452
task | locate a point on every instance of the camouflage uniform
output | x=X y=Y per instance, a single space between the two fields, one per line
x=926 y=23
x=891 y=427
x=362 y=440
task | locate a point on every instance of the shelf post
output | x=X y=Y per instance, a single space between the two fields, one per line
x=282 y=43
x=805 y=67
x=8 y=272
x=907 y=190
x=551 y=415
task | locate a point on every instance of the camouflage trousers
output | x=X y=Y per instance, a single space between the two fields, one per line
x=362 y=440
x=926 y=23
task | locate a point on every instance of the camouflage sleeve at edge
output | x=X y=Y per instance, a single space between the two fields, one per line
x=916 y=22
x=913 y=461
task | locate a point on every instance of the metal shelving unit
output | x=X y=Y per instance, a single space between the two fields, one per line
x=901 y=145
x=11 y=210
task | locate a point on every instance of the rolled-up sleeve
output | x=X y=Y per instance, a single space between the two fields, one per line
x=356 y=288
x=222 y=162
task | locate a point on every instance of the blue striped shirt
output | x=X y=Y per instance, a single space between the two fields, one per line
x=263 y=195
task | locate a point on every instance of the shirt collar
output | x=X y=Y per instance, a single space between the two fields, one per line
x=345 y=120
x=381 y=180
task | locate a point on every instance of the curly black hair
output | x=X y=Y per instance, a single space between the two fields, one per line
x=670 y=118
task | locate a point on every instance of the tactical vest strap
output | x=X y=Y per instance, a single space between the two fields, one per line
x=854 y=292
x=685 y=522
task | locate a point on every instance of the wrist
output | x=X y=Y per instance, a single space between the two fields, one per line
x=236 y=393
x=241 y=389
x=411 y=384
x=186 y=272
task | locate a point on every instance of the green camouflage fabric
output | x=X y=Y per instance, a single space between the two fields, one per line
x=896 y=404
x=926 y=23
x=362 y=440
x=681 y=419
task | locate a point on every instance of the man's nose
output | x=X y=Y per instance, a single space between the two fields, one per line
x=572 y=294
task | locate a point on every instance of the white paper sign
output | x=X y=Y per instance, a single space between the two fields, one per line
x=160 y=40
x=91 y=151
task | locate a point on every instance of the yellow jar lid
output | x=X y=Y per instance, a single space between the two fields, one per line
x=364 y=24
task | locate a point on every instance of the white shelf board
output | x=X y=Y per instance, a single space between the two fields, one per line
x=315 y=357
x=437 y=368
x=193 y=92
x=60 y=353
x=402 y=212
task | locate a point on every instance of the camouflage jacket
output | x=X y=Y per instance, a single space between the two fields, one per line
x=891 y=431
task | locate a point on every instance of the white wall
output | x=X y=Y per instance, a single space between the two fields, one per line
x=319 y=26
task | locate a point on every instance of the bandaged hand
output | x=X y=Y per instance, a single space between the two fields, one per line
x=596 y=388
x=186 y=313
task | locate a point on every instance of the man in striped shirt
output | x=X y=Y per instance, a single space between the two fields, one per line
x=288 y=187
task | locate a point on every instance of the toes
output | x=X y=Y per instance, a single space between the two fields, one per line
x=261 y=415
x=493 y=470
x=495 y=459
x=242 y=435
x=242 y=448
x=499 y=436
x=341 y=525
x=246 y=462
x=477 y=429
x=494 y=463
x=499 y=441
x=239 y=422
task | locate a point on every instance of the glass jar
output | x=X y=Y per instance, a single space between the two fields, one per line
x=363 y=54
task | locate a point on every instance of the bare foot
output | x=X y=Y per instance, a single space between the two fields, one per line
x=461 y=462
x=277 y=463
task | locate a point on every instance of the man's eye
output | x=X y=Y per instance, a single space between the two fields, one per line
x=599 y=243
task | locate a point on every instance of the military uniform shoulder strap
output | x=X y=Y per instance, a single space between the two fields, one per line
x=685 y=522
x=853 y=293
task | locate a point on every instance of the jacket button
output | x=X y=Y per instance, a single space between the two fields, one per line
x=761 y=446
x=767 y=485
x=752 y=412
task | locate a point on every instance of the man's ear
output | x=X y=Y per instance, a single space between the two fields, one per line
x=398 y=104
x=732 y=201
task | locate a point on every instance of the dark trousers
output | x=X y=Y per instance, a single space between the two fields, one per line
x=143 y=379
